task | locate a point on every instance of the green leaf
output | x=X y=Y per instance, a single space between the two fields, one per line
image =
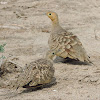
x=2 y=47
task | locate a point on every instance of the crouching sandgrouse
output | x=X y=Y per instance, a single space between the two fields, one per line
x=35 y=74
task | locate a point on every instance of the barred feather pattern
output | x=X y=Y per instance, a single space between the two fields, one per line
x=38 y=72
x=65 y=45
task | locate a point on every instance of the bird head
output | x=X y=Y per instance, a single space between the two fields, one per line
x=53 y=16
x=50 y=54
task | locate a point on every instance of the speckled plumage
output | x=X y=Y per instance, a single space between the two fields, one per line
x=64 y=44
x=39 y=72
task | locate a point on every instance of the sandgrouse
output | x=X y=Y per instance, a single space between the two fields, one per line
x=64 y=44
x=35 y=74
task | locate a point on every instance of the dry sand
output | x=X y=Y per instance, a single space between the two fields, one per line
x=25 y=28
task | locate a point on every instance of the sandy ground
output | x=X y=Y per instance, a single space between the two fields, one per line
x=26 y=29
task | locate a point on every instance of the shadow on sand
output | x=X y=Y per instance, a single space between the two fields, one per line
x=70 y=61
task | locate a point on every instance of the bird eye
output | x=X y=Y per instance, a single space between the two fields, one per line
x=49 y=13
x=15 y=66
x=53 y=53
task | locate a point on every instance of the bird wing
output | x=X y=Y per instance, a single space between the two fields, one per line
x=67 y=45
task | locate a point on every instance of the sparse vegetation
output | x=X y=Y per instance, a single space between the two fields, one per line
x=1 y=51
x=2 y=47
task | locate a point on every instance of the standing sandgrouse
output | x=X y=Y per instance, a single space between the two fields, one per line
x=64 y=44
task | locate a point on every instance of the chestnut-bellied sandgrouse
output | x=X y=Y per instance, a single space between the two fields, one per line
x=64 y=44
x=35 y=74
x=39 y=72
